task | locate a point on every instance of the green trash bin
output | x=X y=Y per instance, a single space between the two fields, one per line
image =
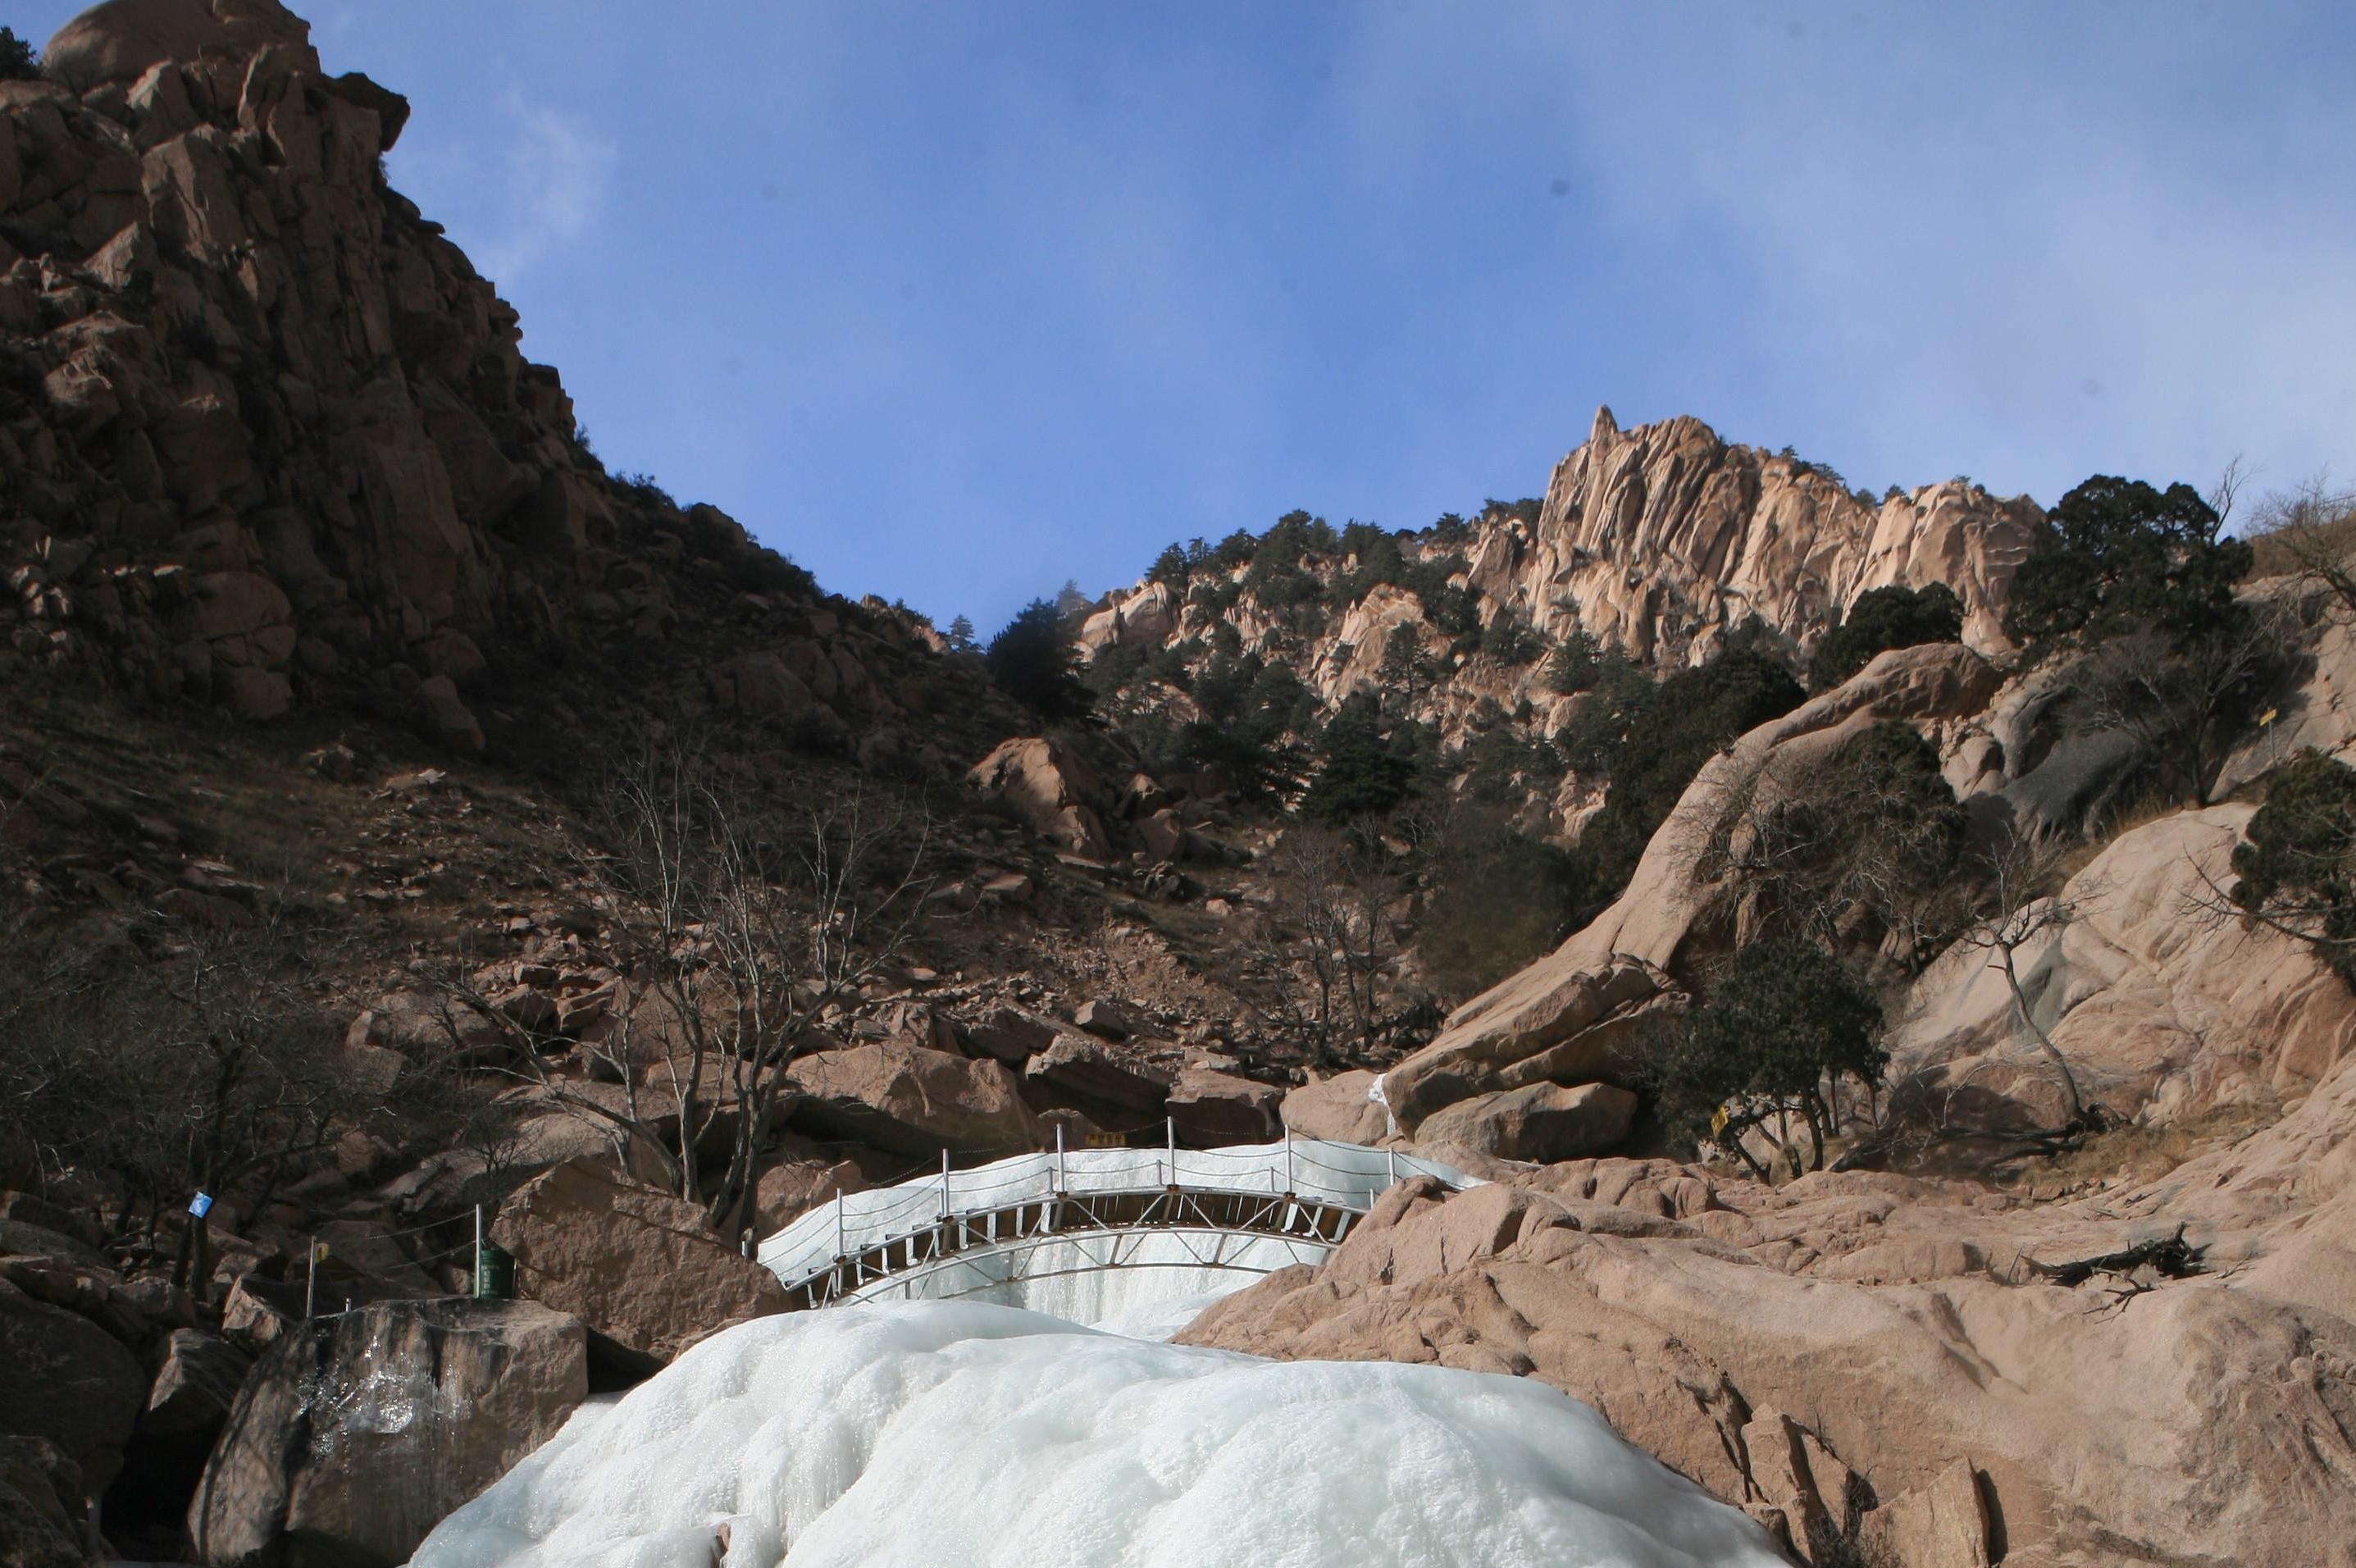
x=494 y=1273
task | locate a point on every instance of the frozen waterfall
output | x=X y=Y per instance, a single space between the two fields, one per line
x=941 y=1432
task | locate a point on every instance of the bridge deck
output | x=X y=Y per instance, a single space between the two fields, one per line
x=1307 y=1193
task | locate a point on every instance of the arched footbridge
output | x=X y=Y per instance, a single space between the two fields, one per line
x=1037 y=1224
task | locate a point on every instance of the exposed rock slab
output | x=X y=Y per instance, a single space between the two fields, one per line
x=2165 y=1005
x=1982 y=1404
x=1570 y=1016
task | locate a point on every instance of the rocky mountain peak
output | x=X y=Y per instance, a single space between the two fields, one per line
x=121 y=40
x=1662 y=542
x=1662 y=539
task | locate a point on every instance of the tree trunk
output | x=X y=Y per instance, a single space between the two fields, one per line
x=2044 y=1041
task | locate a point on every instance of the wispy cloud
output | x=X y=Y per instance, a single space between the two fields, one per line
x=558 y=175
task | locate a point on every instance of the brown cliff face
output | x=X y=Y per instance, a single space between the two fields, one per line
x=269 y=440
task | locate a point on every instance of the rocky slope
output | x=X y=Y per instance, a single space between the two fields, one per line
x=270 y=451
x=269 y=441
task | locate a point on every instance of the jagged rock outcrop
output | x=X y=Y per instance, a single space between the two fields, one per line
x=269 y=442
x=1666 y=537
x=1658 y=541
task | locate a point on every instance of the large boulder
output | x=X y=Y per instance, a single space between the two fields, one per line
x=197 y=1379
x=791 y=1188
x=1211 y=1107
x=64 y=1379
x=1339 y=1109
x=1014 y=1035
x=1565 y=1026
x=1099 y=1076
x=119 y=40
x=1051 y=788
x=42 y=1513
x=912 y=1100
x=1539 y=1122
x=637 y=1266
x=355 y=1434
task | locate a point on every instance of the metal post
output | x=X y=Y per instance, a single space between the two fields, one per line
x=1287 y=1159
x=1059 y=1159
x=1392 y=1156
x=945 y=1187
x=477 y=1271
x=1170 y=1126
x=311 y=1279
x=842 y=1249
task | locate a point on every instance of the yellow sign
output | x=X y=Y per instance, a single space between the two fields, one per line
x=1718 y=1123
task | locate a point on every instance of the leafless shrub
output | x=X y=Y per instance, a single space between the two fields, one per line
x=2309 y=531
x=192 y=1062
x=746 y=935
x=2187 y=701
x=1323 y=954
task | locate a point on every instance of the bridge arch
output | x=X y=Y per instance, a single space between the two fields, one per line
x=1091 y=1234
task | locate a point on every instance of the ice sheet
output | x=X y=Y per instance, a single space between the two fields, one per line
x=926 y=1433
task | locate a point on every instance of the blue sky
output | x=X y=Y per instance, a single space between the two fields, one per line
x=952 y=302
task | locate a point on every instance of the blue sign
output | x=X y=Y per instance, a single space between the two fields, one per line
x=201 y=1204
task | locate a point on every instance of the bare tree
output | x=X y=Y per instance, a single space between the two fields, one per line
x=1325 y=948
x=745 y=937
x=2187 y=701
x=2026 y=905
x=197 y=1064
x=2310 y=531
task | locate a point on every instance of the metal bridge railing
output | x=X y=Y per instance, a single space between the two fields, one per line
x=1306 y=1189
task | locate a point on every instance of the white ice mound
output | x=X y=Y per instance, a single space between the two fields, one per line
x=953 y=1433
